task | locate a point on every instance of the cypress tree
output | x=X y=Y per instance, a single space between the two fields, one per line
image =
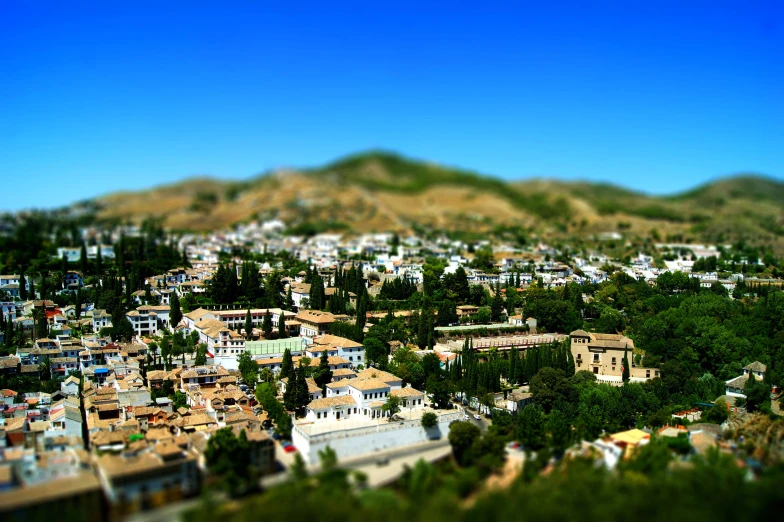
x=287 y=365
x=570 y=369
x=302 y=394
x=289 y=303
x=64 y=265
x=323 y=373
x=625 y=368
x=78 y=303
x=175 y=312
x=512 y=376
x=83 y=260
x=282 y=333
x=22 y=286
x=98 y=262
x=44 y=288
x=248 y=325
x=267 y=325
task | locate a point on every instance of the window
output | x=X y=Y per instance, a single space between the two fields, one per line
x=647 y=374
x=596 y=357
x=613 y=361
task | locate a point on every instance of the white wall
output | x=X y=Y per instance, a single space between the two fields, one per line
x=361 y=441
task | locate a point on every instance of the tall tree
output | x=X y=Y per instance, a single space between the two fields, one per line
x=83 y=263
x=248 y=368
x=23 y=287
x=323 y=375
x=625 y=368
x=248 y=325
x=175 y=312
x=41 y=326
x=282 y=332
x=78 y=303
x=267 y=325
x=44 y=290
x=287 y=365
x=98 y=261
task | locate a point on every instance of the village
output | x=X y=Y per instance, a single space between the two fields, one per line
x=128 y=417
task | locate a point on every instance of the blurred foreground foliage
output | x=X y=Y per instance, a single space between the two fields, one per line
x=650 y=487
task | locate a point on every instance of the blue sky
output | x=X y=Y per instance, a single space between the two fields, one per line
x=96 y=98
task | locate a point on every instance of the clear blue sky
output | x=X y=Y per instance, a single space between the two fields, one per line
x=96 y=97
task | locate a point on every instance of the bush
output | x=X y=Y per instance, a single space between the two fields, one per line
x=429 y=420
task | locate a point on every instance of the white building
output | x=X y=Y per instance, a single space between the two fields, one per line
x=147 y=320
x=336 y=346
x=734 y=387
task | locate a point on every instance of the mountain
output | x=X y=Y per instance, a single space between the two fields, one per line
x=379 y=191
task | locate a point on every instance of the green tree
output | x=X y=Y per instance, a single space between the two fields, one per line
x=559 y=430
x=625 y=366
x=228 y=457
x=531 y=428
x=248 y=326
x=719 y=413
x=282 y=333
x=462 y=436
x=83 y=263
x=267 y=325
x=175 y=313
x=286 y=365
x=391 y=406
x=429 y=420
x=201 y=355
x=550 y=385
x=756 y=392
x=323 y=374
x=375 y=351
x=440 y=392
x=248 y=368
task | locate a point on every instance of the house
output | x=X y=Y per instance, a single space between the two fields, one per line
x=73 y=280
x=70 y=386
x=148 y=319
x=734 y=387
x=101 y=319
x=10 y=285
x=337 y=346
x=202 y=376
x=144 y=475
x=364 y=395
x=300 y=292
x=515 y=401
x=603 y=355
x=314 y=322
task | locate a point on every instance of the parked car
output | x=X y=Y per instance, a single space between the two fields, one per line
x=466 y=417
x=477 y=416
x=383 y=461
x=290 y=448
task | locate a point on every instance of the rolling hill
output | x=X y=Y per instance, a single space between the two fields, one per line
x=379 y=191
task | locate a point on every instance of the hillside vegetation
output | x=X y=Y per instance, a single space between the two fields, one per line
x=379 y=191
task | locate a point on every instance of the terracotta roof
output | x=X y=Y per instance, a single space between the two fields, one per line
x=322 y=404
x=367 y=384
x=374 y=373
x=336 y=341
x=756 y=366
x=315 y=317
x=406 y=392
